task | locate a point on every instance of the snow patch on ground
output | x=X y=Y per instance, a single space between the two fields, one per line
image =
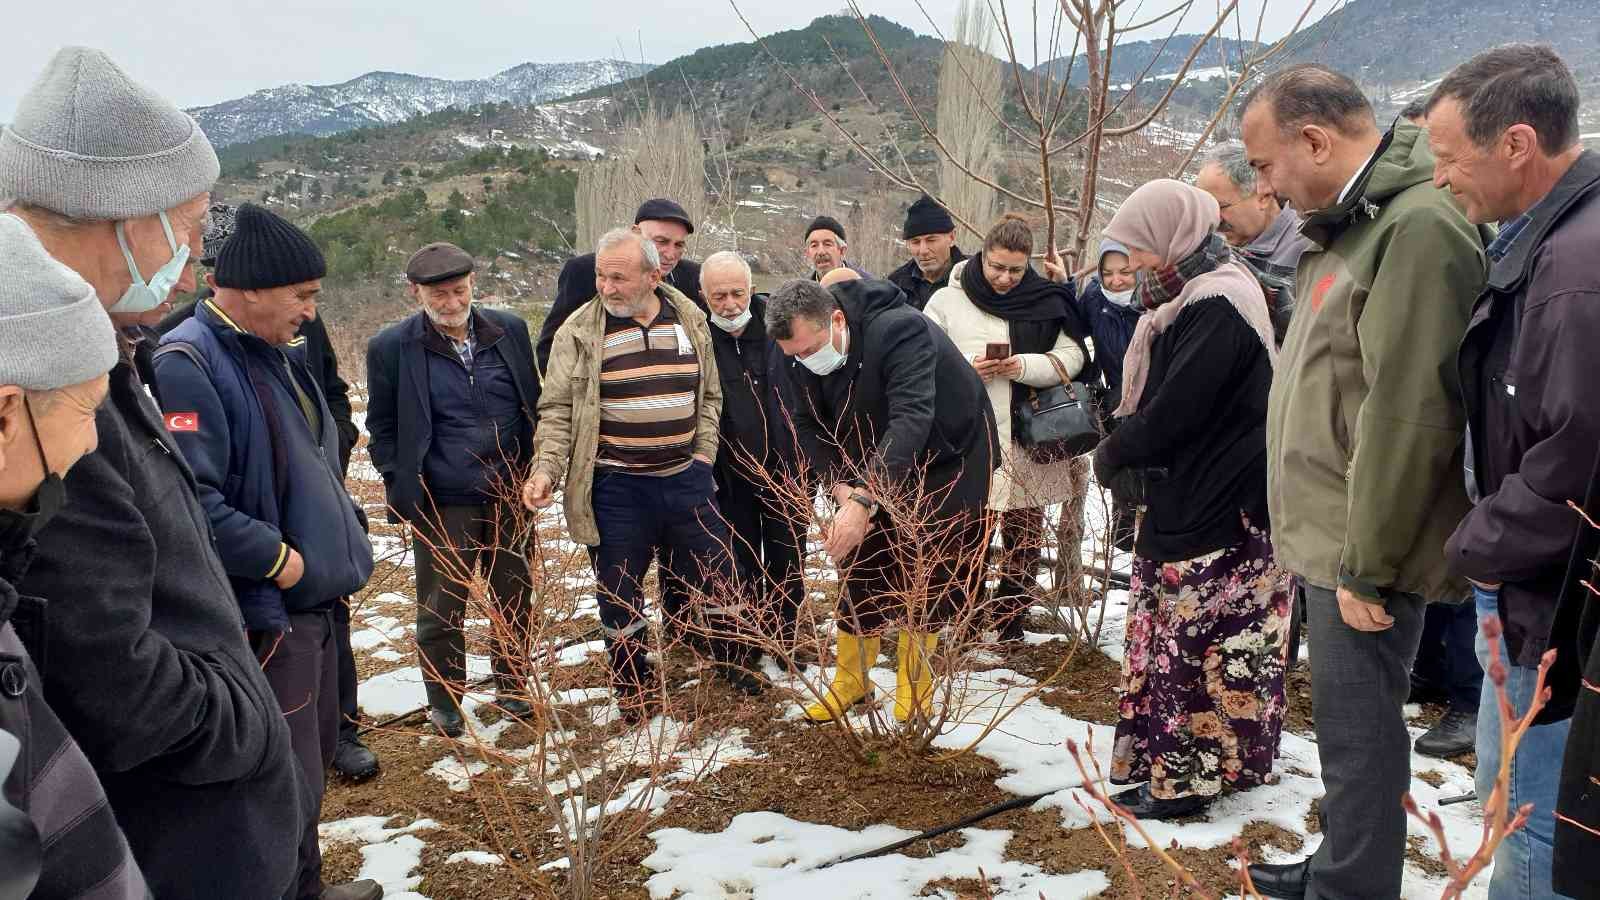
x=767 y=856
x=389 y=855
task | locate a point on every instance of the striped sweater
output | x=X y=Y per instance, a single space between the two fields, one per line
x=649 y=378
x=80 y=851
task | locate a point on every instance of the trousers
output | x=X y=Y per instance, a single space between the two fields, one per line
x=767 y=554
x=1359 y=683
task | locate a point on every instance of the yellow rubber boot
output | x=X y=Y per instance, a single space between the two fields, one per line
x=914 y=681
x=850 y=686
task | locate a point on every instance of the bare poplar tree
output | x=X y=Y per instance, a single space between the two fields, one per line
x=659 y=156
x=971 y=82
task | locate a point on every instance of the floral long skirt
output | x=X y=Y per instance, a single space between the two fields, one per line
x=1202 y=673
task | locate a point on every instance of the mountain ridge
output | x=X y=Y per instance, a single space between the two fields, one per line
x=384 y=97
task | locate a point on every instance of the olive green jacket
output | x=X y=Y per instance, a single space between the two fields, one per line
x=568 y=436
x=1365 y=422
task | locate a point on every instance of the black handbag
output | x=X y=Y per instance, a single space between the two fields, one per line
x=1060 y=422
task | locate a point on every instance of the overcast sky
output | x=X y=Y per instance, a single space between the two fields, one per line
x=216 y=50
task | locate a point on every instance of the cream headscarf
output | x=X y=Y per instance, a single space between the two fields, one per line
x=1172 y=220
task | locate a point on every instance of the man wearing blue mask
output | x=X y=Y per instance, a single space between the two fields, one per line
x=894 y=420
x=152 y=677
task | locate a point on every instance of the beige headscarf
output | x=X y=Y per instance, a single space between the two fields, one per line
x=1172 y=219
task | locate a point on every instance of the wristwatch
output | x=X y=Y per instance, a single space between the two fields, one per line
x=870 y=504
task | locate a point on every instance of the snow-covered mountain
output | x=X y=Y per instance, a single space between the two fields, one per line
x=379 y=98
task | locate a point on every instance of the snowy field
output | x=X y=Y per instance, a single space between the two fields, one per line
x=766 y=856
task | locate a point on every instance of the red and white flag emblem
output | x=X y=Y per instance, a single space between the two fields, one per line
x=183 y=421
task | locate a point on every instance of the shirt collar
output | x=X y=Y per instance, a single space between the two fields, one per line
x=1509 y=232
x=1351 y=184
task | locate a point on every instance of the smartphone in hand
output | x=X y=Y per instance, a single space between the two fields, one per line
x=998 y=350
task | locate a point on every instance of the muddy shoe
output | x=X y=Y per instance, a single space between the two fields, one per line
x=1456 y=733
x=741 y=680
x=365 y=889
x=447 y=722
x=510 y=706
x=354 y=761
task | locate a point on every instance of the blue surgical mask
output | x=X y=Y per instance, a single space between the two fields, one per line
x=141 y=297
x=827 y=359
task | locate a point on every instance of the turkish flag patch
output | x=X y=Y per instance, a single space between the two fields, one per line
x=182 y=421
x=1320 y=292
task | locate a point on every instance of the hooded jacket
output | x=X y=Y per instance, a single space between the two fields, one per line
x=1529 y=370
x=569 y=405
x=905 y=405
x=1365 y=419
x=268 y=482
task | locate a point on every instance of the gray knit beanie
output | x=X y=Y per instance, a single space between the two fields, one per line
x=89 y=143
x=53 y=330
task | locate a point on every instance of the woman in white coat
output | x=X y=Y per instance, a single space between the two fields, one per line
x=995 y=298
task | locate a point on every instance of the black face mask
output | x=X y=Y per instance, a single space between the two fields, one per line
x=19 y=527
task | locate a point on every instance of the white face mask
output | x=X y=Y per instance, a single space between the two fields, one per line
x=1120 y=298
x=142 y=296
x=733 y=324
x=827 y=359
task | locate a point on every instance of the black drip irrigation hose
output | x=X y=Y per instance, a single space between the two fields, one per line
x=930 y=834
x=584 y=638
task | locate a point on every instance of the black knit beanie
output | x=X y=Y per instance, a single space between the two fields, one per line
x=827 y=222
x=266 y=251
x=927 y=217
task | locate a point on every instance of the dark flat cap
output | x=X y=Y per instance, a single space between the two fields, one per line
x=438 y=262
x=827 y=222
x=662 y=210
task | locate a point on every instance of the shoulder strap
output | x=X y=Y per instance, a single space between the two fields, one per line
x=187 y=349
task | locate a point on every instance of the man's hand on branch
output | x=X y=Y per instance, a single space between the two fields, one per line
x=845 y=532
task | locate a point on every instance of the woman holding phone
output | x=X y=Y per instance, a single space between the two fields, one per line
x=1020 y=332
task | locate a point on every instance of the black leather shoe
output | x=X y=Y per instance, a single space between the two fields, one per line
x=1287 y=881
x=354 y=761
x=516 y=709
x=1456 y=733
x=447 y=721
x=1143 y=805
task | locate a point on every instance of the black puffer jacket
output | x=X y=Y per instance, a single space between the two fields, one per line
x=148 y=668
x=905 y=405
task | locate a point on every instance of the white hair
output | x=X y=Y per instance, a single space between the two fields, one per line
x=1231 y=158
x=725 y=258
x=618 y=236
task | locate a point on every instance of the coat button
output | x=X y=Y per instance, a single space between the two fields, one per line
x=13 y=679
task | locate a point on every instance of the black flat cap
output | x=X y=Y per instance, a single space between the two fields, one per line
x=663 y=210
x=827 y=222
x=438 y=262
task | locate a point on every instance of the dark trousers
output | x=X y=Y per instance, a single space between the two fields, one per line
x=766 y=554
x=639 y=517
x=1359 y=683
x=1022 y=545
x=1445 y=658
x=301 y=665
x=454 y=544
x=349 y=712
x=912 y=579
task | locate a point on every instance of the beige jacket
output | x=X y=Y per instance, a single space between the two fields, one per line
x=568 y=436
x=1020 y=482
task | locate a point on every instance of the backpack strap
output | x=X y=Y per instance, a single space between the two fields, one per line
x=187 y=349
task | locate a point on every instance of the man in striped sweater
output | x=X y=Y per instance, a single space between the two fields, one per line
x=629 y=415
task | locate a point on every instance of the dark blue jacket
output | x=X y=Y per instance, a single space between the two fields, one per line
x=267 y=483
x=1111 y=328
x=400 y=400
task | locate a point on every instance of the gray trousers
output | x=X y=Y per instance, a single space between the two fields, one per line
x=466 y=539
x=1359 y=682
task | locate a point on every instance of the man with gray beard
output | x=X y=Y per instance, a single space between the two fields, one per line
x=451 y=400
